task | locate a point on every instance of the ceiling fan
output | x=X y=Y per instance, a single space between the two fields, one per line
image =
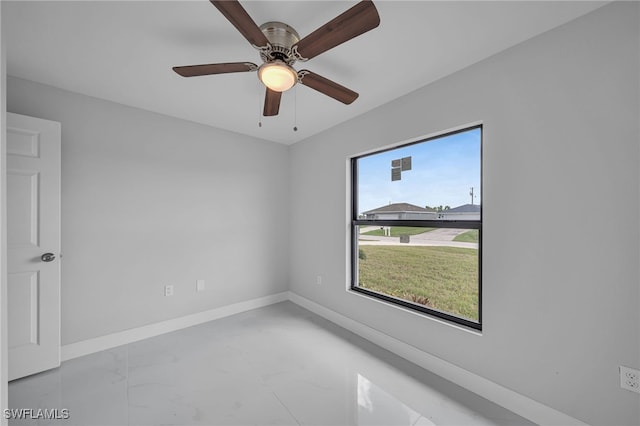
x=280 y=47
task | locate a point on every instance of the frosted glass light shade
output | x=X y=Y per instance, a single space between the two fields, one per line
x=277 y=76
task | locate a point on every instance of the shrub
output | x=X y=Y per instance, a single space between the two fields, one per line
x=361 y=254
x=418 y=299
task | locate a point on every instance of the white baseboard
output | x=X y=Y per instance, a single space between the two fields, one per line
x=109 y=341
x=511 y=400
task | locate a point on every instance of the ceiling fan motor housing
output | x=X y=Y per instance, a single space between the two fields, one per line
x=282 y=37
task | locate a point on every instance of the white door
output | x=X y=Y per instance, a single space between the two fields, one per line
x=33 y=244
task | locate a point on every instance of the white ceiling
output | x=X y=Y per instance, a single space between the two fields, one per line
x=123 y=51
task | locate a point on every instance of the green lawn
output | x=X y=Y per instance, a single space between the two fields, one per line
x=468 y=237
x=396 y=231
x=443 y=278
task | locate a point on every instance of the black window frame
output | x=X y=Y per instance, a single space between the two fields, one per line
x=461 y=224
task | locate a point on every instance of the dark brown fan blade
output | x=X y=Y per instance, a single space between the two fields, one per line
x=208 y=69
x=358 y=20
x=326 y=86
x=271 y=103
x=235 y=13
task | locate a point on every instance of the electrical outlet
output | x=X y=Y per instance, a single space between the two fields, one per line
x=319 y=279
x=200 y=285
x=630 y=379
x=168 y=290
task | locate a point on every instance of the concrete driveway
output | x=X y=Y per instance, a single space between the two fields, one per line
x=442 y=237
x=440 y=234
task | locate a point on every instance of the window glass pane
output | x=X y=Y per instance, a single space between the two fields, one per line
x=437 y=268
x=438 y=179
x=429 y=266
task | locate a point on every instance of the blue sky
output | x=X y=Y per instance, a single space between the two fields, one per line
x=443 y=171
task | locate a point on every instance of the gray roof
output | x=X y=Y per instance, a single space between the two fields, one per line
x=399 y=207
x=465 y=208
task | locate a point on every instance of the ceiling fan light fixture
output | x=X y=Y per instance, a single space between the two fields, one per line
x=277 y=76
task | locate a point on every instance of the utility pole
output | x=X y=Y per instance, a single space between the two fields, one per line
x=471 y=193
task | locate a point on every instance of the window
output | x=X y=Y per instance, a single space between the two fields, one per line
x=417 y=226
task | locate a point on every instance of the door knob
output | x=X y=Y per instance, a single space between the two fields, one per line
x=47 y=257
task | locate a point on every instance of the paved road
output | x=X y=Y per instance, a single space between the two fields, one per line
x=442 y=237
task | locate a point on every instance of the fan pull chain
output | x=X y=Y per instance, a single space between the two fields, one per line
x=259 y=112
x=295 y=109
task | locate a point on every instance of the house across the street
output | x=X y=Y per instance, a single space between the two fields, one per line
x=406 y=211
x=401 y=211
x=463 y=212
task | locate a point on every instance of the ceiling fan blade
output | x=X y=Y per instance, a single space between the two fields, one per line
x=235 y=13
x=327 y=87
x=271 y=103
x=208 y=69
x=358 y=20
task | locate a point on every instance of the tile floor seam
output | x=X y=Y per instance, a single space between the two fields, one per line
x=286 y=408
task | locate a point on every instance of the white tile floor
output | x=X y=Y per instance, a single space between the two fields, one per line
x=278 y=365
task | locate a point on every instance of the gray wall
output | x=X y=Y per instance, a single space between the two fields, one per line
x=149 y=200
x=560 y=289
